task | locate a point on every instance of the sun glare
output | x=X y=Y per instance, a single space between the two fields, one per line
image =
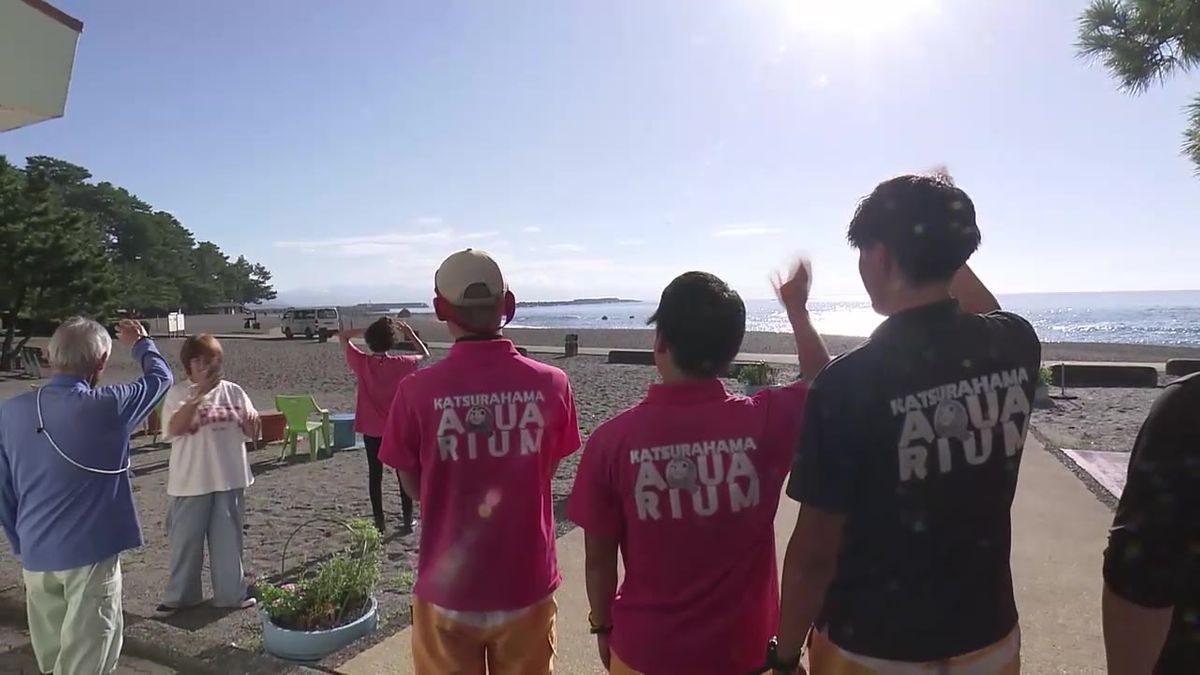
x=855 y=18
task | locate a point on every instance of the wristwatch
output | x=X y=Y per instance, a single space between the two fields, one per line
x=596 y=628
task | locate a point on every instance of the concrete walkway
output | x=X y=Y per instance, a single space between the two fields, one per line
x=1059 y=535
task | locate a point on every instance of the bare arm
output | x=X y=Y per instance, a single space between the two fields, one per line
x=808 y=569
x=1133 y=635
x=411 y=484
x=972 y=295
x=600 y=571
x=793 y=294
x=346 y=334
x=809 y=345
x=181 y=420
x=411 y=336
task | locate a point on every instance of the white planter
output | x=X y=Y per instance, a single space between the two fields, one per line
x=309 y=646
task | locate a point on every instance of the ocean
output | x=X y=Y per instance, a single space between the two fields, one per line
x=1134 y=317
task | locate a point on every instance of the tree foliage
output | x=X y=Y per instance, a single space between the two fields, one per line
x=1142 y=42
x=70 y=246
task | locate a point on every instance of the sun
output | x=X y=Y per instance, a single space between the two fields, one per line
x=854 y=18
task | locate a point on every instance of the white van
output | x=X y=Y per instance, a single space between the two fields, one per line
x=309 y=321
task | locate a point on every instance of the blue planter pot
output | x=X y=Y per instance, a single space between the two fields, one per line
x=752 y=389
x=309 y=646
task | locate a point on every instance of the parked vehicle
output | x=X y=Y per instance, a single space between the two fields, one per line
x=309 y=321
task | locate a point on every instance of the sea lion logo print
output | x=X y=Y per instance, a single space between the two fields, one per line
x=479 y=420
x=950 y=420
x=681 y=474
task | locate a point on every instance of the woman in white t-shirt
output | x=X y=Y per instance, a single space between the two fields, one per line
x=208 y=421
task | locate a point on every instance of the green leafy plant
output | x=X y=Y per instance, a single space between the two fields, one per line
x=338 y=593
x=1045 y=378
x=756 y=374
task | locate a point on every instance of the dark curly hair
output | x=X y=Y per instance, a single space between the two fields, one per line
x=702 y=321
x=926 y=223
x=381 y=335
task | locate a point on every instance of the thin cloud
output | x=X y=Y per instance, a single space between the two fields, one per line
x=631 y=242
x=393 y=239
x=569 y=248
x=475 y=236
x=746 y=231
x=427 y=221
x=532 y=229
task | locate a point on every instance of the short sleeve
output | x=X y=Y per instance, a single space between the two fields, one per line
x=355 y=358
x=595 y=504
x=1015 y=331
x=569 y=439
x=784 y=419
x=401 y=445
x=246 y=404
x=172 y=402
x=1157 y=520
x=823 y=470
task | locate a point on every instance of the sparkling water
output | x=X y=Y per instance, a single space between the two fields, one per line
x=1158 y=317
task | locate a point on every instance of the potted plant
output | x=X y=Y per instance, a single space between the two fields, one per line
x=321 y=613
x=755 y=377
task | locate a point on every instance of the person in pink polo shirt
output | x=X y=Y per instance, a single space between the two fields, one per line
x=476 y=438
x=378 y=375
x=685 y=486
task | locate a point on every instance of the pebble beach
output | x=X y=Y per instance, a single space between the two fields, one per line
x=289 y=495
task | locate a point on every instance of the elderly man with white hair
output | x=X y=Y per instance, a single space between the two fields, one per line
x=66 y=502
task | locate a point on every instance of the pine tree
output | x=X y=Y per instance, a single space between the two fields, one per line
x=1142 y=42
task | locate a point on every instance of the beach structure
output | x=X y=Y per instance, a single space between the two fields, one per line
x=37 y=54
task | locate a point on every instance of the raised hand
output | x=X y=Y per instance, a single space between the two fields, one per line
x=792 y=289
x=130 y=331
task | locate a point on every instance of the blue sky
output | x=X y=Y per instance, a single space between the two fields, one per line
x=600 y=148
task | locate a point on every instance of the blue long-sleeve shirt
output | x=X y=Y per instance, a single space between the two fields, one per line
x=56 y=515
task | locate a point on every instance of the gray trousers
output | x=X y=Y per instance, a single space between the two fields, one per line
x=191 y=521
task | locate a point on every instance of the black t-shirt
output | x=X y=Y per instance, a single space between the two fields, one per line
x=1153 y=555
x=916 y=437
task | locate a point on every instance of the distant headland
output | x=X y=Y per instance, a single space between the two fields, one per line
x=579 y=301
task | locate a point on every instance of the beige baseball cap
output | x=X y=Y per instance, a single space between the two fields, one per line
x=465 y=269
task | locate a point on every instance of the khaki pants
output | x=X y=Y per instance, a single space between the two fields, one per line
x=75 y=620
x=1002 y=658
x=522 y=646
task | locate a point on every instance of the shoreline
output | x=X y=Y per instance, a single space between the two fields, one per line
x=432 y=330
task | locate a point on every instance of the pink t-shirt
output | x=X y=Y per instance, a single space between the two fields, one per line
x=485 y=428
x=378 y=376
x=688 y=482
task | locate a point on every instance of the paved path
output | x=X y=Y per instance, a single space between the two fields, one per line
x=16 y=657
x=1059 y=531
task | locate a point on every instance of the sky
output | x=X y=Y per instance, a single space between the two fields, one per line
x=601 y=148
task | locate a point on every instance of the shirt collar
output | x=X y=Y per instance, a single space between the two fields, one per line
x=933 y=312
x=496 y=347
x=687 y=391
x=68 y=381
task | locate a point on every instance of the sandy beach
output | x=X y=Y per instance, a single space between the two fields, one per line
x=288 y=495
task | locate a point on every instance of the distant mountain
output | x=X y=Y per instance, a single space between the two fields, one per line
x=579 y=301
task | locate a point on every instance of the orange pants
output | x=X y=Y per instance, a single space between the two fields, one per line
x=522 y=646
x=1002 y=658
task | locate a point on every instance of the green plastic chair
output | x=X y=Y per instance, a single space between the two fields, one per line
x=296 y=412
